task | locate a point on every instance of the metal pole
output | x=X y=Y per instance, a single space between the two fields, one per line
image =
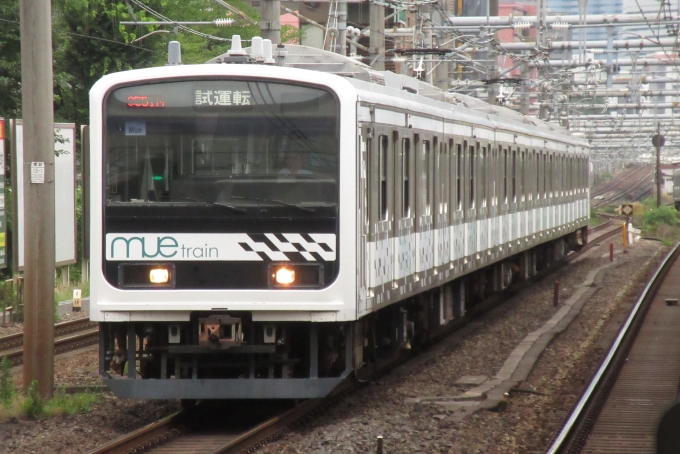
x=38 y=143
x=377 y=40
x=270 y=23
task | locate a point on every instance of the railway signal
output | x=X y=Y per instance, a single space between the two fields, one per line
x=658 y=140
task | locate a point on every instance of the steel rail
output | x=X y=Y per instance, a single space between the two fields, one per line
x=69 y=336
x=585 y=411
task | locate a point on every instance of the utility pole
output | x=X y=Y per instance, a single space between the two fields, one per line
x=270 y=22
x=377 y=40
x=38 y=127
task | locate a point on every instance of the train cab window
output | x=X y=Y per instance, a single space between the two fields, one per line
x=472 y=157
x=240 y=143
x=382 y=178
x=405 y=171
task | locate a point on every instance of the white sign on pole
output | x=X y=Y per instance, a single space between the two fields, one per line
x=37 y=172
x=64 y=191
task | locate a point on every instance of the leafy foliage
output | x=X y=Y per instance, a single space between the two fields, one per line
x=7 y=391
x=70 y=404
x=10 y=62
x=662 y=215
x=34 y=405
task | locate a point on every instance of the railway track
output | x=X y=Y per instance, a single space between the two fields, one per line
x=633 y=184
x=638 y=379
x=68 y=336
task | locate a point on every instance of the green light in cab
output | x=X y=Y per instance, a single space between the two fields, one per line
x=157 y=178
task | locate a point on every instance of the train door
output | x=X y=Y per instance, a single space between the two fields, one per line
x=456 y=191
x=424 y=209
x=470 y=202
x=482 y=180
x=380 y=202
x=404 y=211
x=442 y=181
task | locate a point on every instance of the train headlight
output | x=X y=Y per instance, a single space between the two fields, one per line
x=284 y=276
x=159 y=276
x=146 y=275
x=295 y=275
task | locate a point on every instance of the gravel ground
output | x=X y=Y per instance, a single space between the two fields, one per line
x=526 y=425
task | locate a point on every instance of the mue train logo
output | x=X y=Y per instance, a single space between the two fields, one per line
x=221 y=246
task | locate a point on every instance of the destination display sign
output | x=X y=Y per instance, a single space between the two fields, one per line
x=221 y=97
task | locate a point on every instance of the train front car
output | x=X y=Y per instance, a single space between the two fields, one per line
x=225 y=231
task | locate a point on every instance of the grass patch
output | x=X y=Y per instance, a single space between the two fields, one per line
x=16 y=405
x=661 y=222
x=66 y=293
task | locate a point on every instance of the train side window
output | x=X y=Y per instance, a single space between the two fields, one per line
x=520 y=176
x=443 y=171
x=545 y=176
x=551 y=181
x=368 y=205
x=459 y=176
x=537 y=158
x=494 y=176
x=382 y=177
x=424 y=183
x=472 y=157
x=405 y=169
x=482 y=177
x=505 y=175
x=514 y=175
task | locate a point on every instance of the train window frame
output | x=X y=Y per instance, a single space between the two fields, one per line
x=424 y=198
x=523 y=175
x=382 y=168
x=483 y=179
x=514 y=175
x=442 y=170
x=459 y=176
x=406 y=169
x=505 y=175
x=551 y=182
x=471 y=173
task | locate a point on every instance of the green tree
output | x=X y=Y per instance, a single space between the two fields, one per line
x=199 y=43
x=10 y=59
x=89 y=43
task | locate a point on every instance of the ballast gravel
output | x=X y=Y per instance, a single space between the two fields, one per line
x=525 y=423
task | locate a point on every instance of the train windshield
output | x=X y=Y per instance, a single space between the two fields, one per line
x=233 y=142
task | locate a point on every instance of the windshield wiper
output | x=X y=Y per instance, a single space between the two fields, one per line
x=278 y=202
x=218 y=204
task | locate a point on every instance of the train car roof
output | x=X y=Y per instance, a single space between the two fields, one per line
x=310 y=58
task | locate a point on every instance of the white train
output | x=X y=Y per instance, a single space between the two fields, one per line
x=264 y=230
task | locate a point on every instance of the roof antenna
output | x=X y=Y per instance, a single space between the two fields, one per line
x=174 y=53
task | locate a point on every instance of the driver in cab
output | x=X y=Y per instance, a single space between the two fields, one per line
x=294 y=165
